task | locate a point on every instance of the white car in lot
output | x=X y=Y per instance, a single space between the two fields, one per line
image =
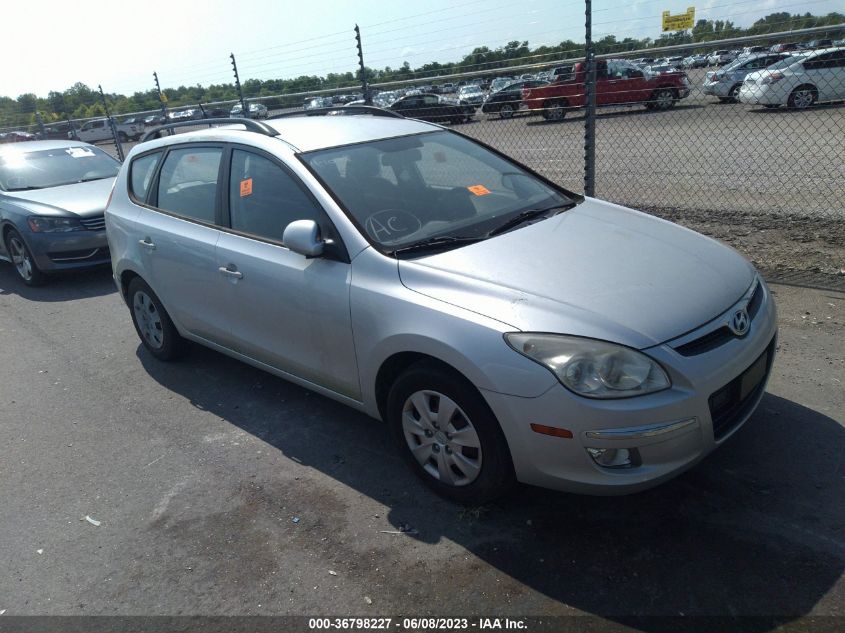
x=799 y=81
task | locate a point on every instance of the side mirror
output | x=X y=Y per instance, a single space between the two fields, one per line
x=303 y=237
x=635 y=73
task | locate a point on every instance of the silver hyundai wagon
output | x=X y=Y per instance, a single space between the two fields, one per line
x=506 y=329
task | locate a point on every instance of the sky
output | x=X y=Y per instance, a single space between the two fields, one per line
x=100 y=42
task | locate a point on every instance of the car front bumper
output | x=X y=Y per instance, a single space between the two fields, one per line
x=719 y=89
x=67 y=251
x=665 y=432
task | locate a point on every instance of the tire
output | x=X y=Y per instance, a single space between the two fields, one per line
x=22 y=260
x=554 y=110
x=803 y=97
x=122 y=136
x=506 y=111
x=474 y=469
x=152 y=323
x=663 y=99
x=733 y=95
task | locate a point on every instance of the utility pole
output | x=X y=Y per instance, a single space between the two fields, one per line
x=112 y=125
x=368 y=98
x=590 y=118
x=244 y=111
x=162 y=99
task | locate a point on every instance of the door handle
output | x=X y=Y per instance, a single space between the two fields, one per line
x=235 y=274
x=146 y=243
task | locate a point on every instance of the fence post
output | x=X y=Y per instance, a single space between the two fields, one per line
x=41 y=125
x=590 y=116
x=114 y=133
x=368 y=98
x=162 y=100
x=244 y=111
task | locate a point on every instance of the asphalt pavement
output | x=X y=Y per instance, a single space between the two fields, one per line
x=216 y=489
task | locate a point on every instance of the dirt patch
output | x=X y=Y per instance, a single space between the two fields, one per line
x=771 y=242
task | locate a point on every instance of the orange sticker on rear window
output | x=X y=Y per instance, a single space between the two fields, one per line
x=246 y=187
x=479 y=190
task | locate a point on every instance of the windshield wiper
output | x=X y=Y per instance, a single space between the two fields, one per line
x=89 y=179
x=528 y=214
x=434 y=242
x=27 y=188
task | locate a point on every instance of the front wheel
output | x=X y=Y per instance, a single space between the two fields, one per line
x=152 y=323
x=663 y=99
x=22 y=260
x=448 y=435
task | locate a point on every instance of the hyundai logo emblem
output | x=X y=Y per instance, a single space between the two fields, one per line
x=739 y=322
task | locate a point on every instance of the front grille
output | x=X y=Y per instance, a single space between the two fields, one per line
x=722 y=335
x=96 y=223
x=729 y=406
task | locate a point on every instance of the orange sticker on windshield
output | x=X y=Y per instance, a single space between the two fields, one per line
x=479 y=190
x=246 y=187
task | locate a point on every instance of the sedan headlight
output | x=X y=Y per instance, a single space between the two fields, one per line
x=54 y=225
x=592 y=368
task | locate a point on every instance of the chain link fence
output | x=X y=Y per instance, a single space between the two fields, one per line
x=741 y=139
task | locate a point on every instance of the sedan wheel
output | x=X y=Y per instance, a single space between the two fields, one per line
x=506 y=111
x=733 y=95
x=22 y=260
x=148 y=319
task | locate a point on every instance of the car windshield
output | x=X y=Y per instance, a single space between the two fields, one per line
x=470 y=89
x=21 y=170
x=407 y=190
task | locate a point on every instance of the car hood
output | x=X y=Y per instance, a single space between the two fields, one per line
x=598 y=270
x=84 y=199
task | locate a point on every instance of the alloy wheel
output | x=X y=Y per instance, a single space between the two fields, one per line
x=20 y=258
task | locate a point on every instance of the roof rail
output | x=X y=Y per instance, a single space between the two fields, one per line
x=249 y=124
x=341 y=110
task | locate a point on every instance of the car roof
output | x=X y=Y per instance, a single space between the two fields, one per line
x=308 y=133
x=34 y=146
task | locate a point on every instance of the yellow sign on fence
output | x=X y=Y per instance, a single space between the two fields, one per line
x=679 y=22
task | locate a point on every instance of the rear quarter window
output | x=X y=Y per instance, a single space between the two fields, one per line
x=141 y=174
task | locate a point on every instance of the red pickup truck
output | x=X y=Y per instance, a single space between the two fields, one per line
x=618 y=82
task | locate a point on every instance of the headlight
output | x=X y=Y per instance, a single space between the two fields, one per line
x=592 y=368
x=54 y=225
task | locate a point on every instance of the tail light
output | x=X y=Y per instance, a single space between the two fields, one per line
x=772 y=78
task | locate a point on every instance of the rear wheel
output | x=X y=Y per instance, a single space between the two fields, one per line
x=152 y=323
x=22 y=260
x=506 y=111
x=733 y=95
x=803 y=97
x=448 y=435
x=554 y=110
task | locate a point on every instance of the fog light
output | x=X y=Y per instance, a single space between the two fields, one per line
x=613 y=457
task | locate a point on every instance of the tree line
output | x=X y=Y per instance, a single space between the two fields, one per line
x=79 y=101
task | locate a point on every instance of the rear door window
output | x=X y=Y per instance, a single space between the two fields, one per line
x=188 y=183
